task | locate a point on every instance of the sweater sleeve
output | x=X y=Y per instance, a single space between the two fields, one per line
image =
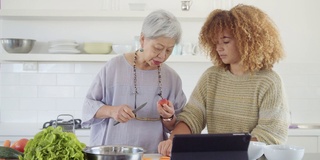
x=194 y=113
x=273 y=123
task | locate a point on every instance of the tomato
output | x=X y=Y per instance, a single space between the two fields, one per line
x=20 y=144
x=7 y=143
x=163 y=101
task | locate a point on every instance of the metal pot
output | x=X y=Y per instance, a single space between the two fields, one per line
x=66 y=121
x=114 y=152
x=77 y=123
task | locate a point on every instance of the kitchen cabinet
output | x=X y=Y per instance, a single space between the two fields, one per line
x=307 y=138
x=42 y=16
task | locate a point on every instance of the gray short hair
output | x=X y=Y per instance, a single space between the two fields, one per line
x=161 y=23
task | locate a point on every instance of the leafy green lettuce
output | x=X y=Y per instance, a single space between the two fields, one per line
x=53 y=144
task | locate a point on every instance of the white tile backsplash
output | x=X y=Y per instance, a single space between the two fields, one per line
x=56 y=91
x=302 y=92
x=68 y=104
x=306 y=116
x=9 y=104
x=38 y=104
x=11 y=67
x=60 y=87
x=318 y=92
x=314 y=80
x=19 y=91
x=86 y=67
x=9 y=79
x=19 y=116
x=44 y=116
x=62 y=67
x=74 y=79
x=81 y=91
x=299 y=81
x=38 y=79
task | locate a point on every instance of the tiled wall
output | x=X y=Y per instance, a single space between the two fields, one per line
x=38 y=96
x=302 y=84
x=56 y=88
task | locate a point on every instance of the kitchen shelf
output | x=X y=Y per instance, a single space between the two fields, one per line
x=90 y=15
x=87 y=57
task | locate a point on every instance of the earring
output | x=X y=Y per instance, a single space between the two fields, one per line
x=141 y=50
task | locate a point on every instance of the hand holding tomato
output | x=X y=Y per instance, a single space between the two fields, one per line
x=165 y=108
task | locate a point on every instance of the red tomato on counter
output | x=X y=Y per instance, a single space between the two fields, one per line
x=20 y=144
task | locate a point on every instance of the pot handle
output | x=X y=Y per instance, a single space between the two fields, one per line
x=77 y=121
x=47 y=124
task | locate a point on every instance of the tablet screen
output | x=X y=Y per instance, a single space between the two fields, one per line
x=210 y=142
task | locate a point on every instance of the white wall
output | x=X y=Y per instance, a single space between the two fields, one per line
x=57 y=88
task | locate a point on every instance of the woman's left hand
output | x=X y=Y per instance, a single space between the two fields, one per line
x=164 y=147
x=165 y=110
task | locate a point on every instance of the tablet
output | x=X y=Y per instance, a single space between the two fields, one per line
x=210 y=146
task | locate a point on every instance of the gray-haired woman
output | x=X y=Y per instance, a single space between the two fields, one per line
x=131 y=79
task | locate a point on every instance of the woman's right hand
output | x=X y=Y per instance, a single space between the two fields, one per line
x=122 y=113
x=164 y=147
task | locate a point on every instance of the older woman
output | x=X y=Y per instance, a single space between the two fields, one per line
x=241 y=92
x=131 y=79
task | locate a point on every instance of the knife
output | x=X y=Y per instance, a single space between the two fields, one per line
x=134 y=111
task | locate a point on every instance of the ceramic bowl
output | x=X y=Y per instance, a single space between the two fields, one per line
x=255 y=150
x=97 y=47
x=282 y=152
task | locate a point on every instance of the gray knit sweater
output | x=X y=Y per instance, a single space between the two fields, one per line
x=227 y=103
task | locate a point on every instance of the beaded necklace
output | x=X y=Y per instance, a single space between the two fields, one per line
x=135 y=79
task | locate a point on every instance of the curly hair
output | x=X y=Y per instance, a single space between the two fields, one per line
x=256 y=35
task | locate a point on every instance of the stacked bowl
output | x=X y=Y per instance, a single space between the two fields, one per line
x=255 y=150
x=63 y=46
x=283 y=152
x=274 y=152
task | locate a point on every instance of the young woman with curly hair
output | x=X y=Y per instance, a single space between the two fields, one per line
x=241 y=92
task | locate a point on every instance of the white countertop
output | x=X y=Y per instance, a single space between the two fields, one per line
x=152 y=156
x=31 y=129
x=304 y=132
